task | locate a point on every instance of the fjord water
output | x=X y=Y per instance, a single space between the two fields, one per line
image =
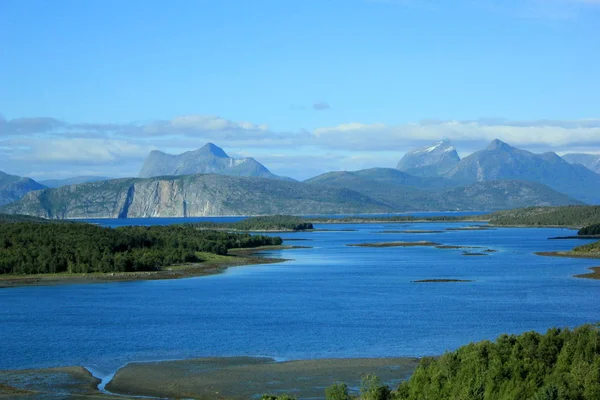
x=329 y=301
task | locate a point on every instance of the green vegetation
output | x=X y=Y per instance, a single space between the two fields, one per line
x=591 y=248
x=563 y=364
x=34 y=248
x=590 y=230
x=268 y=223
x=9 y=219
x=570 y=216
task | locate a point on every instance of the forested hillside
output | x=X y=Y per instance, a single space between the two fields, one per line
x=33 y=248
x=571 y=216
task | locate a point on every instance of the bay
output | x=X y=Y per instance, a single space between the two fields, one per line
x=331 y=300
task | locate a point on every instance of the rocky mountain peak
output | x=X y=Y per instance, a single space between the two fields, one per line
x=498 y=144
x=431 y=160
x=212 y=149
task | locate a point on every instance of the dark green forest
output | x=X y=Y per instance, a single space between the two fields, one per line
x=267 y=223
x=590 y=230
x=562 y=364
x=40 y=248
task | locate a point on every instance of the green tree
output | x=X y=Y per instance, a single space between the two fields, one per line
x=337 y=391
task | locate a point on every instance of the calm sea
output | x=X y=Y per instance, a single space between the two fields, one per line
x=328 y=301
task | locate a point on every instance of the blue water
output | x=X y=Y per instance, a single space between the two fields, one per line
x=330 y=301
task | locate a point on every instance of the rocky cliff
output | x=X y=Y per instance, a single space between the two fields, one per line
x=191 y=196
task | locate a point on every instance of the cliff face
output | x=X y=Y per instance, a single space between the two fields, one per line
x=190 y=196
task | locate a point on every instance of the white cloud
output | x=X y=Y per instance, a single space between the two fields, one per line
x=88 y=151
x=37 y=144
x=549 y=134
x=199 y=124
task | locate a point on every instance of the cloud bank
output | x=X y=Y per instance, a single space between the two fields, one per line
x=45 y=147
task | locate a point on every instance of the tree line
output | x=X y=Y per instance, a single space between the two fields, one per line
x=267 y=223
x=34 y=248
x=548 y=216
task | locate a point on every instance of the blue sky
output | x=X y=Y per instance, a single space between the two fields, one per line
x=92 y=86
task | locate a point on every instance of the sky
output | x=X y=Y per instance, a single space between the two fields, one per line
x=304 y=86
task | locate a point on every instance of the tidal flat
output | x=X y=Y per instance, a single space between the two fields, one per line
x=250 y=377
x=234 y=378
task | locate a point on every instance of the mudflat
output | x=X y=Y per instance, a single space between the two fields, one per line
x=250 y=377
x=50 y=383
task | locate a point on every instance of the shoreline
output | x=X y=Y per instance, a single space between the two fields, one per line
x=595 y=274
x=207 y=378
x=218 y=265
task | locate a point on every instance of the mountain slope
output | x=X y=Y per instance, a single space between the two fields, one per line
x=55 y=183
x=430 y=161
x=191 y=196
x=14 y=187
x=590 y=161
x=209 y=159
x=499 y=161
x=502 y=195
x=404 y=192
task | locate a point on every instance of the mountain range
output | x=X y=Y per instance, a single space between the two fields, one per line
x=209 y=182
x=209 y=159
x=500 y=161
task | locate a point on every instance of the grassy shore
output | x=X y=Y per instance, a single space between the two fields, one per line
x=212 y=264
